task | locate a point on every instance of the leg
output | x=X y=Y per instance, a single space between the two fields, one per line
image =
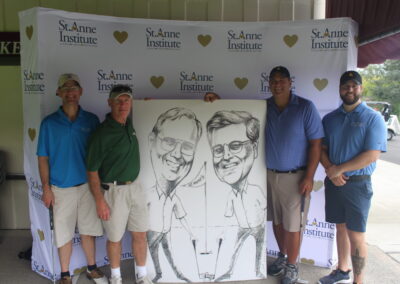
x=358 y=254
x=167 y=251
x=139 y=247
x=292 y=245
x=114 y=253
x=64 y=254
x=280 y=237
x=154 y=239
x=88 y=246
x=343 y=247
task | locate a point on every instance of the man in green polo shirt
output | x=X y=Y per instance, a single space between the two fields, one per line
x=113 y=166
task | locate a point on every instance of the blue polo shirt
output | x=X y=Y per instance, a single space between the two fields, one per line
x=64 y=143
x=348 y=134
x=287 y=133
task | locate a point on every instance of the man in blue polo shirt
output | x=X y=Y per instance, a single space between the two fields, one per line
x=61 y=156
x=355 y=135
x=293 y=147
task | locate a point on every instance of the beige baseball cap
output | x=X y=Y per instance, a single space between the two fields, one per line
x=67 y=77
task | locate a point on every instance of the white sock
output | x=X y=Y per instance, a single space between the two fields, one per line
x=116 y=272
x=141 y=271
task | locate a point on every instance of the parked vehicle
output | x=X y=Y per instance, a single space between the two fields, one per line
x=392 y=121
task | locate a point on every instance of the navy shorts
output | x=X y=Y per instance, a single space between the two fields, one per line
x=349 y=203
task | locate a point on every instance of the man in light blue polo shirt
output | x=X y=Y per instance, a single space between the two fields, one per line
x=355 y=135
x=293 y=147
x=61 y=155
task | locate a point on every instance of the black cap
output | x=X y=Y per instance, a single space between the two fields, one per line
x=350 y=75
x=279 y=69
x=119 y=90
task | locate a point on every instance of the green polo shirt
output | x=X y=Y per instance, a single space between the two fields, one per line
x=113 y=151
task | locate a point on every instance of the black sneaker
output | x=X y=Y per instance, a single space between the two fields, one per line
x=291 y=274
x=336 y=276
x=278 y=266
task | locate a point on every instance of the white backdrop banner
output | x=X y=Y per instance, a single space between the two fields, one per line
x=175 y=60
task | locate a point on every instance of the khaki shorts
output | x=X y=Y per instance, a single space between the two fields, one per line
x=74 y=207
x=128 y=205
x=284 y=200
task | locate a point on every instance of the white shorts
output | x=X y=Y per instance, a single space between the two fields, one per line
x=74 y=207
x=128 y=205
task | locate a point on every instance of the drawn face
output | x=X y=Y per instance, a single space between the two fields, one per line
x=70 y=93
x=173 y=149
x=233 y=153
x=350 y=92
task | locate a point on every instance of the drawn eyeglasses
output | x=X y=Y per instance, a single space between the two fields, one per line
x=234 y=147
x=169 y=144
x=69 y=89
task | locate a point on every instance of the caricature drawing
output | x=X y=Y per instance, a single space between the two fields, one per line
x=233 y=137
x=172 y=144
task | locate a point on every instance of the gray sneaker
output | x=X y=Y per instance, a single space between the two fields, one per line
x=144 y=280
x=278 y=266
x=336 y=276
x=291 y=274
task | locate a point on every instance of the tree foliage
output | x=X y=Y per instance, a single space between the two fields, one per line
x=381 y=82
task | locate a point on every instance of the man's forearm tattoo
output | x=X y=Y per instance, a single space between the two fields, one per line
x=358 y=263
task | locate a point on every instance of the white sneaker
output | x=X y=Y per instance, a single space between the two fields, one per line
x=144 y=280
x=115 y=280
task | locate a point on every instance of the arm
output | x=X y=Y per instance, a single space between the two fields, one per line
x=314 y=155
x=44 y=171
x=358 y=162
x=326 y=163
x=103 y=210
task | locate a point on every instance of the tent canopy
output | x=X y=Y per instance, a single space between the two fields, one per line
x=379 y=27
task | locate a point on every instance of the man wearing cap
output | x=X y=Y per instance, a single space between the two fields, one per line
x=61 y=156
x=293 y=136
x=293 y=147
x=113 y=167
x=355 y=135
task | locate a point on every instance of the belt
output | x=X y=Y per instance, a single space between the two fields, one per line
x=107 y=187
x=289 y=172
x=76 y=185
x=358 y=178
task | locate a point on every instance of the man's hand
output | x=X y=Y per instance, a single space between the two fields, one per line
x=340 y=180
x=306 y=186
x=103 y=210
x=48 y=197
x=210 y=97
x=333 y=171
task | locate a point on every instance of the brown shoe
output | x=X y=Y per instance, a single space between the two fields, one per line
x=65 y=280
x=97 y=276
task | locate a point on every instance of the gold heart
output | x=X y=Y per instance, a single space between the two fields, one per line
x=318 y=185
x=308 y=261
x=157 y=81
x=32 y=133
x=29 y=31
x=120 y=36
x=204 y=39
x=290 y=40
x=241 y=82
x=41 y=235
x=78 y=271
x=320 y=84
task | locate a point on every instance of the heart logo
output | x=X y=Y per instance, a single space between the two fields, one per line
x=32 y=133
x=120 y=36
x=318 y=185
x=204 y=39
x=29 y=31
x=307 y=261
x=320 y=84
x=157 y=81
x=78 y=271
x=41 y=235
x=241 y=82
x=290 y=40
